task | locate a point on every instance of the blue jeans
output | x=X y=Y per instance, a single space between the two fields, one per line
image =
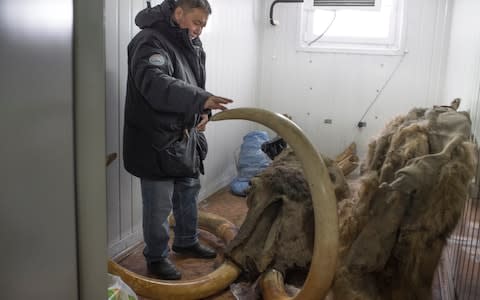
x=159 y=198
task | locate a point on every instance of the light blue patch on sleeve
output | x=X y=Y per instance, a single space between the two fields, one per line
x=157 y=60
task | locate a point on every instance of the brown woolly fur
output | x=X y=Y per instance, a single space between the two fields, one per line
x=278 y=229
x=354 y=214
x=411 y=194
x=393 y=220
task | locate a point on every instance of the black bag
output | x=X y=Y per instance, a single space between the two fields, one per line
x=183 y=157
x=273 y=147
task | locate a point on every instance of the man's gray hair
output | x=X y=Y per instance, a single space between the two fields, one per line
x=191 y=4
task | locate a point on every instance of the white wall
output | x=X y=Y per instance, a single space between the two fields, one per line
x=232 y=46
x=463 y=65
x=231 y=42
x=123 y=192
x=316 y=86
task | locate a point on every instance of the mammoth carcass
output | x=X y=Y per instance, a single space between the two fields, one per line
x=278 y=230
x=393 y=224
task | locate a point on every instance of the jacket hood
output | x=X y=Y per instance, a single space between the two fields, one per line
x=162 y=14
x=159 y=13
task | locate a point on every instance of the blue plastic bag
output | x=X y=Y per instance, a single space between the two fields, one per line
x=252 y=160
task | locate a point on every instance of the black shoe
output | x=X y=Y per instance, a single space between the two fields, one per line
x=197 y=250
x=164 y=269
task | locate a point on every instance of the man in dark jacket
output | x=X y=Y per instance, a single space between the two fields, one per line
x=166 y=107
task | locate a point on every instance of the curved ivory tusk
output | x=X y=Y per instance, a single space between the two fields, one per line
x=325 y=248
x=215 y=224
x=272 y=286
x=186 y=289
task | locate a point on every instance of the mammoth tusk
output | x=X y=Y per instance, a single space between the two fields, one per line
x=218 y=226
x=272 y=286
x=325 y=247
x=186 y=289
x=214 y=224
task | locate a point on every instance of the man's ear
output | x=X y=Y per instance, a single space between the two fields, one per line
x=178 y=14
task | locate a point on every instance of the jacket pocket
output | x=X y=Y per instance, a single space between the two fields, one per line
x=179 y=158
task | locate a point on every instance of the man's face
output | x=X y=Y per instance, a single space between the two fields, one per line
x=194 y=20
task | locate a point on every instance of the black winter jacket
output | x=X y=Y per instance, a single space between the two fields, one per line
x=165 y=89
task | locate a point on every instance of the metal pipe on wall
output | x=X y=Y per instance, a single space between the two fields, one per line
x=272 y=21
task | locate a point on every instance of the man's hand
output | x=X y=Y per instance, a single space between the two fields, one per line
x=203 y=123
x=214 y=102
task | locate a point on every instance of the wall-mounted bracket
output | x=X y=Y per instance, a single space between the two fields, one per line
x=274 y=22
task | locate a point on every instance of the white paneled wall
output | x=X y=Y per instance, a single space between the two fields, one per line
x=316 y=86
x=124 y=204
x=463 y=67
x=231 y=41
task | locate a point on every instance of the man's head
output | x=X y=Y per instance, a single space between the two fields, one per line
x=192 y=15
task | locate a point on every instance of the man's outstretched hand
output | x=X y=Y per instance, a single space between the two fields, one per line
x=215 y=102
